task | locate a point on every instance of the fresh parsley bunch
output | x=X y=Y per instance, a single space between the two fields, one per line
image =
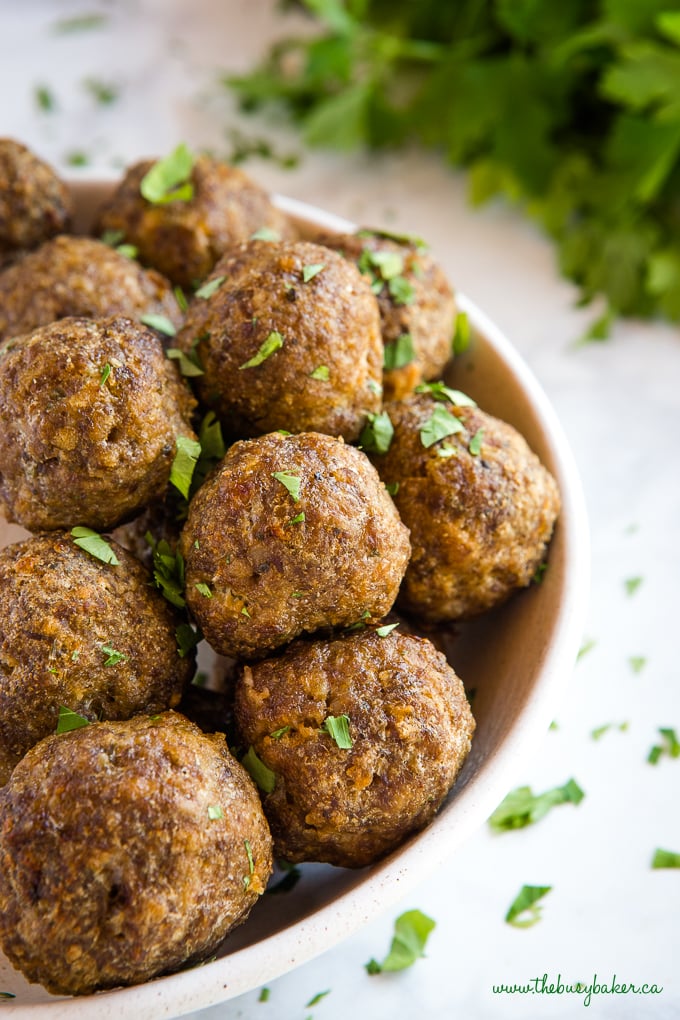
x=570 y=109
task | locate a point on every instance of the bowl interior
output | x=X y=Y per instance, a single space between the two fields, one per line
x=514 y=662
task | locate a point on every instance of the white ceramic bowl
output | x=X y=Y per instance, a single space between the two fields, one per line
x=517 y=658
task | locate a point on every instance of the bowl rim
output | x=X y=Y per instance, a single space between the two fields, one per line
x=243 y=970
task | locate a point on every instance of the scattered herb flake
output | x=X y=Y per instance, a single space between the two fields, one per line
x=277 y=734
x=374 y=387
x=290 y=879
x=411 y=932
x=524 y=912
x=168 y=571
x=112 y=237
x=101 y=92
x=665 y=859
x=586 y=647
x=203 y=589
x=399 y=352
x=387 y=629
x=215 y=812
x=70 y=720
x=45 y=98
x=290 y=482
x=461 y=333
x=637 y=663
x=312 y=270
x=439 y=425
x=79 y=23
x=298 y=519
x=316 y=999
x=263 y=776
x=249 y=854
x=273 y=343
x=169 y=179
x=377 y=433
x=187 y=638
x=159 y=322
x=337 y=726
x=104 y=374
x=600 y=731
x=265 y=234
x=180 y=298
x=264 y=994
x=209 y=288
x=392 y=488
x=188 y=363
x=245 y=612
x=475 y=447
x=77 y=158
x=95 y=545
x=401 y=290
x=440 y=391
x=669 y=746
x=632 y=584
x=7 y=995
x=321 y=372
x=75 y=655
x=186 y=457
x=113 y=657
x=130 y=251
x=521 y=807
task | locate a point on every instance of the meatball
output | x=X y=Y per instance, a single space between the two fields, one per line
x=76 y=276
x=184 y=239
x=34 y=203
x=479 y=504
x=77 y=632
x=90 y=412
x=281 y=348
x=408 y=723
x=126 y=850
x=290 y=534
x=417 y=307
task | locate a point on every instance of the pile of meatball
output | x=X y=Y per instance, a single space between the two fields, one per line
x=213 y=428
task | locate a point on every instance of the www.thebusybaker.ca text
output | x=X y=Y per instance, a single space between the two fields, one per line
x=545 y=986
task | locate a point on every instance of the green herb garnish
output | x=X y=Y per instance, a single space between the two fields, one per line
x=277 y=734
x=159 y=322
x=215 y=812
x=290 y=879
x=265 y=234
x=264 y=994
x=290 y=482
x=168 y=571
x=263 y=776
x=186 y=457
x=316 y=999
x=337 y=726
x=411 y=932
x=632 y=584
x=101 y=92
x=440 y=391
x=45 y=98
x=399 y=353
x=586 y=647
x=665 y=859
x=169 y=179
x=386 y=629
x=669 y=746
x=69 y=720
x=637 y=663
x=79 y=23
x=298 y=519
x=439 y=425
x=523 y=912
x=187 y=638
x=401 y=290
x=521 y=807
x=273 y=343
x=209 y=288
x=77 y=158
x=94 y=544
x=475 y=448
x=312 y=270
x=461 y=333
x=104 y=374
x=112 y=656
x=188 y=363
x=376 y=435
x=392 y=488
x=321 y=372
x=203 y=589
x=180 y=298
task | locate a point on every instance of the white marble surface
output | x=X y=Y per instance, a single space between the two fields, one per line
x=620 y=404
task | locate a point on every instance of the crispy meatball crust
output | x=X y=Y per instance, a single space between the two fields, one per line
x=480 y=524
x=78 y=446
x=34 y=203
x=327 y=371
x=427 y=315
x=113 y=867
x=184 y=240
x=410 y=726
x=74 y=631
x=263 y=567
x=77 y=276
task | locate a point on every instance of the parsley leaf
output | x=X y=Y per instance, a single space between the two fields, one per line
x=188 y=363
x=440 y=391
x=411 y=932
x=439 y=425
x=273 y=343
x=523 y=912
x=94 y=544
x=475 y=448
x=321 y=373
x=209 y=288
x=290 y=482
x=376 y=435
x=312 y=270
x=399 y=353
x=186 y=457
x=521 y=807
x=70 y=720
x=461 y=333
x=669 y=746
x=665 y=859
x=112 y=656
x=215 y=812
x=168 y=180
x=262 y=775
x=187 y=638
x=160 y=322
x=632 y=584
x=168 y=571
x=337 y=726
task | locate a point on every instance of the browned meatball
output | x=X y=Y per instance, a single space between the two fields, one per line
x=90 y=411
x=479 y=504
x=409 y=726
x=76 y=276
x=126 y=850
x=34 y=203
x=184 y=239
x=77 y=632
x=291 y=533
x=417 y=307
x=279 y=352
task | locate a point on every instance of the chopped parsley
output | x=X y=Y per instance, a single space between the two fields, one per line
x=312 y=270
x=440 y=391
x=392 y=488
x=69 y=720
x=94 y=544
x=461 y=333
x=298 y=519
x=45 y=98
x=337 y=726
x=159 y=322
x=215 y=812
x=102 y=93
x=321 y=372
x=245 y=612
x=180 y=298
x=586 y=647
x=187 y=638
x=411 y=932
x=77 y=158
x=79 y=23
x=600 y=731
x=524 y=912
x=387 y=629
x=263 y=776
x=209 y=288
x=273 y=343
x=401 y=290
x=669 y=746
x=439 y=425
x=203 y=589
x=75 y=655
x=186 y=457
x=249 y=854
x=277 y=734
x=539 y=573
x=7 y=995
x=665 y=859
x=290 y=482
x=521 y=807
x=290 y=879
x=475 y=447
x=104 y=375
x=399 y=352
x=188 y=363
x=637 y=663
x=168 y=571
x=376 y=435
x=264 y=994
x=632 y=584
x=386 y=268
x=316 y=999
x=169 y=179
x=112 y=656
x=265 y=234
